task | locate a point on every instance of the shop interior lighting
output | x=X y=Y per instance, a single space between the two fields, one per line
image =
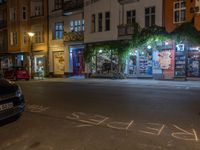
x=149 y=46
x=100 y=51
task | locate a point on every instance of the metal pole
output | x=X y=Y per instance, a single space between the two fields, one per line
x=31 y=59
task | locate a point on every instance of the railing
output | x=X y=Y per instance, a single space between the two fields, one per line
x=73 y=36
x=125 y=30
x=3 y=24
x=72 y=5
x=127 y=1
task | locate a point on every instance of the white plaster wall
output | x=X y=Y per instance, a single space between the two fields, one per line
x=59 y=45
x=116 y=16
x=95 y=8
x=140 y=10
x=55 y=45
x=198 y=3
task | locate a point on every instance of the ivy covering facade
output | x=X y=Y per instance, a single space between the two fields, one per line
x=143 y=37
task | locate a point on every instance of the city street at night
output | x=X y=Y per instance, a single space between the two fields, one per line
x=81 y=114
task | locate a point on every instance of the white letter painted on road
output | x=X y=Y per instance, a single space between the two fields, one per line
x=120 y=125
x=185 y=135
x=155 y=129
x=88 y=119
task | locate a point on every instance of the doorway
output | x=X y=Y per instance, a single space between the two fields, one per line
x=77 y=61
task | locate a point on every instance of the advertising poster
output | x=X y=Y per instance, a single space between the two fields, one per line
x=156 y=64
x=166 y=60
x=59 y=62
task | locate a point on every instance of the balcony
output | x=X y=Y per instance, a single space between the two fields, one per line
x=3 y=24
x=73 y=36
x=125 y=31
x=70 y=6
x=127 y=1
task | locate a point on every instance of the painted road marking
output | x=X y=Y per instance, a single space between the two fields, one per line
x=37 y=108
x=185 y=135
x=155 y=129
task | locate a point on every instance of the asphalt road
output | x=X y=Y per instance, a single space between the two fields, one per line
x=106 y=115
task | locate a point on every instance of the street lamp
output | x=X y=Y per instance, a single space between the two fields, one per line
x=31 y=34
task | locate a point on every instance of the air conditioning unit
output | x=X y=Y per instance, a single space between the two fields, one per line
x=194 y=10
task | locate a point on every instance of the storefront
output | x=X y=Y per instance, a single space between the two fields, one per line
x=157 y=63
x=6 y=62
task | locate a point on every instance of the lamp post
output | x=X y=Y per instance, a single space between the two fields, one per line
x=31 y=34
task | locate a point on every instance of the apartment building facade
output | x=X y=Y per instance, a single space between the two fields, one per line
x=18 y=18
x=187 y=55
x=57 y=50
x=66 y=36
x=65 y=28
x=112 y=20
x=3 y=34
x=14 y=41
x=178 y=12
x=39 y=25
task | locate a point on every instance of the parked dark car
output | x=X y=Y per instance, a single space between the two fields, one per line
x=11 y=99
x=16 y=73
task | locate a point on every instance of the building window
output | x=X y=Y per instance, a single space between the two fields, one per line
x=13 y=14
x=179 y=11
x=25 y=38
x=149 y=16
x=131 y=17
x=57 y=4
x=100 y=17
x=36 y=8
x=38 y=38
x=107 y=21
x=77 y=25
x=24 y=13
x=58 y=30
x=38 y=11
x=13 y=38
x=93 y=23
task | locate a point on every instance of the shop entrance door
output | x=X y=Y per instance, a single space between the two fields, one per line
x=78 y=62
x=39 y=66
x=132 y=66
x=193 y=69
x=144 y=64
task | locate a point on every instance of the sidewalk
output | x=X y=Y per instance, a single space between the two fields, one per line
x=147 y=82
